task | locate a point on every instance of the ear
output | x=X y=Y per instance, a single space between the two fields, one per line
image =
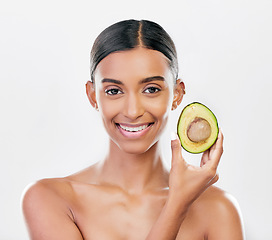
x=179 y=91
x=90 y=91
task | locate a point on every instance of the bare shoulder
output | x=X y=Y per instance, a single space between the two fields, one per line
x=58 y=189
x=45 y=196
x=218 y=198
x=221 y=213
x=220 y=203
x=47 y=189
x=47 y=212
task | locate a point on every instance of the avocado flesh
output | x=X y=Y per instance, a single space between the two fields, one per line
x=197 y=128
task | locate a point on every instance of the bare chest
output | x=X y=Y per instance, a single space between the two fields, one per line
x=110 y=215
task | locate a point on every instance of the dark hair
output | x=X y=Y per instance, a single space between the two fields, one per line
x=129 y=34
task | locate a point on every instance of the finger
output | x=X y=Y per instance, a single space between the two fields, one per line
x=219 y=141
x=176 y=149
x=216 y=151
x=205 y=158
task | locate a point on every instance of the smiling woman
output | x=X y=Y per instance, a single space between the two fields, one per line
x=131 y=194
x=133 y=89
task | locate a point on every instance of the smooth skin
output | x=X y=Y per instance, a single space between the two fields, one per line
x=130 y=194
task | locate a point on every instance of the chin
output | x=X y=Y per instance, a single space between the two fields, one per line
x=135 y=148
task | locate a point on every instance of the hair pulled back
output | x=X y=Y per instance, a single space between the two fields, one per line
x=129 y=34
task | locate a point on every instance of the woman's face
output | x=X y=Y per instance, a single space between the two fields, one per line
x=134 y=92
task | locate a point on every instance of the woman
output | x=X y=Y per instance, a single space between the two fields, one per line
x=130 y=194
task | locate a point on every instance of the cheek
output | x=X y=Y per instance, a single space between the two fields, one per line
x=108 y=109
x=160 y=106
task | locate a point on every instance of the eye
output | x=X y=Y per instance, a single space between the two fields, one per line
x=113 y=91
x=152 y=90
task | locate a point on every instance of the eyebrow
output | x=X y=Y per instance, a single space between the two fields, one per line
x=145 y=80
x=109 y=80
x=150 y=79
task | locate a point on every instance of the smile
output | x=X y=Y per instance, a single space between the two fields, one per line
x=131 y=131
x=134 y=129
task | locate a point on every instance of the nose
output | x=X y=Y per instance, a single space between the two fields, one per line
x=133 y=107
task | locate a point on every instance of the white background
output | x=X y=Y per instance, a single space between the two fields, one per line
x=48 y=128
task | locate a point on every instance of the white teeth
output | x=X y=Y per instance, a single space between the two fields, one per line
x=134 y=129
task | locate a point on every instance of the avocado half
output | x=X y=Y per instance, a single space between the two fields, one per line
x=197 y=128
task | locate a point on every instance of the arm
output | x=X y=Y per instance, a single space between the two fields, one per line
x=186 y=183
x=47 y=216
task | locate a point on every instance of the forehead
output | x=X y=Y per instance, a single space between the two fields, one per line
x=136 y=63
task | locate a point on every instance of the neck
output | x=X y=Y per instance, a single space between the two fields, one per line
x=134 y=173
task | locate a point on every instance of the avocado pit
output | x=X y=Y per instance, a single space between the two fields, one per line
x=199 y=130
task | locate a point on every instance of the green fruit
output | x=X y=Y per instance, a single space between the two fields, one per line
x=197 y=128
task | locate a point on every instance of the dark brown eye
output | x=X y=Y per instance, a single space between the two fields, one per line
x=152 y=90
x=113 y=91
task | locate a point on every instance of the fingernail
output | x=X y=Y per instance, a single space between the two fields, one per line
x=173 y=136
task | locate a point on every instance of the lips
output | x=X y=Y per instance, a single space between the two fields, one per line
x=133 y=131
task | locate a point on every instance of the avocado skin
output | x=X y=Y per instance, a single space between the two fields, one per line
x=186 y=143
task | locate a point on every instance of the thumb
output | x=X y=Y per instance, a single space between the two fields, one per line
x=176 y=149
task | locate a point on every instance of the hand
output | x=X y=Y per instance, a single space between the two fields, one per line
x=187 y=182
